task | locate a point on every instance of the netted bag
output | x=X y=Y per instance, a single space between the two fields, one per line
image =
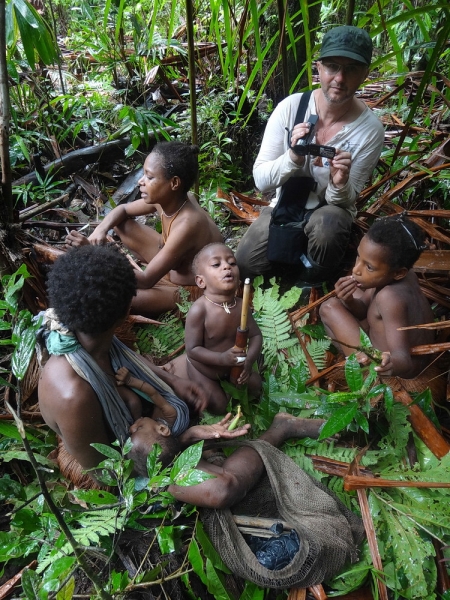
x=329 y=533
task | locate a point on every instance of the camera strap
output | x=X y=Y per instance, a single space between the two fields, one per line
x=294 y=193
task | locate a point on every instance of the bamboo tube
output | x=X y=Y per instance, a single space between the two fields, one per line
x=242 y=332
x=245 y=304
x=423 y=426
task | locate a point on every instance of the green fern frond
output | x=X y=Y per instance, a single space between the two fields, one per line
x=161 y=340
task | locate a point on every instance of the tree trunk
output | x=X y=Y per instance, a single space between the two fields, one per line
x=6 y=202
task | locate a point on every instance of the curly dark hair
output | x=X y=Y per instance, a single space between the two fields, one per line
x=403 y=239
x=91 y=288
x=179 y=160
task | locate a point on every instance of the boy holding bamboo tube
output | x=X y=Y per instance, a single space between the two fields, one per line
x=213 y=325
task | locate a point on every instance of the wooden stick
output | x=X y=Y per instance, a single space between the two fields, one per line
x=359 y=482
x=297 y=594
x=430 y=348
x=260 y=522
x=301 y=312
x=437 y=325
x=372 y=541
x=318 y=592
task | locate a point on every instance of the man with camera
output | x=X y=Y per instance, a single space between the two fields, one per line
x=318 y=166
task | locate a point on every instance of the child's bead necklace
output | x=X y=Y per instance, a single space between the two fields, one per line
x=226 y=307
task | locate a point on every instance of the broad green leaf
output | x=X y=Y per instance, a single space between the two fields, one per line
x=192 y=477
x=166 y=540
x=30 y=584
x=59 y=570
x=388 y=399
x=364 y=340
x=187 y=460
x=95 y=496
x=353 y=374
x=107 y=451
x=22 y=455
x=362 y=421
x=252 y=592
x=340 y=419
x=66 y=592
x=23 y=353
x=208 y=549
x=216 y=584
x=26 y=519
x=9 y=430
x=196 y=560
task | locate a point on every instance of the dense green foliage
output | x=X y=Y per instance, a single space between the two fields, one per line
x=96 y=88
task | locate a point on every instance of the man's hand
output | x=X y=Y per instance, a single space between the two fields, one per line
x=340 y=168
x=75 y=238
x=345 y=287
x=300 y=131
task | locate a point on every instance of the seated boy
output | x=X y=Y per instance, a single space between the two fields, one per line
x=211 y=326
x=381 y=296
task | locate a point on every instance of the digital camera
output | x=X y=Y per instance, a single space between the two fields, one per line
x=304 y=146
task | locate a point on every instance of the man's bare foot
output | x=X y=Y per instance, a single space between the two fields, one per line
x=287 y=426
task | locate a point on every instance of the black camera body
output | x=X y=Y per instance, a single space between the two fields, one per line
x=304 y=145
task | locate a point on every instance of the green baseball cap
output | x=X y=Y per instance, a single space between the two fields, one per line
x=348 y=41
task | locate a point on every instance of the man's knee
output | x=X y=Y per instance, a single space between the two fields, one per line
x=327 y=223
x=251 y=253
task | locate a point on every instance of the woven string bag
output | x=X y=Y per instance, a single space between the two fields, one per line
x=329 y=533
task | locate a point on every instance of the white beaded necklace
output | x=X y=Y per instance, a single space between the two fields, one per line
x=226 y=307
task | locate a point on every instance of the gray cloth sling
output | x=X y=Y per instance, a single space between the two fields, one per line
x=54 y=338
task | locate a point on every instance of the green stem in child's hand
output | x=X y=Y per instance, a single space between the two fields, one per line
x=377 y=355
x=235 y=420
